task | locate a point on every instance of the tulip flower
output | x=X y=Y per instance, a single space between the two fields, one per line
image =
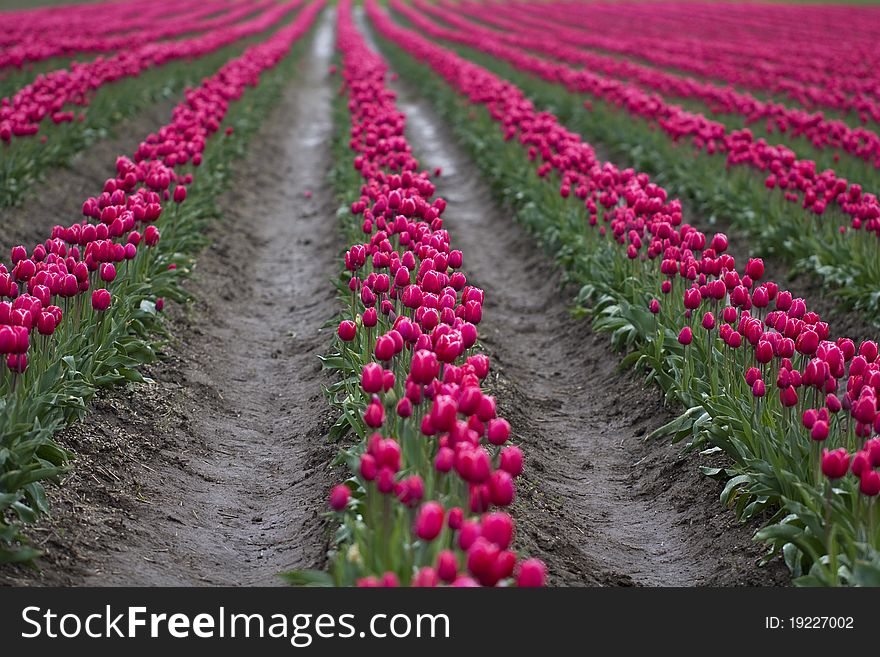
x=511 y=460
x=686 y=336
x=447 y=566
x=339 y=497
x=498 y=431
x=501 y=488
x=426 y=577
x=869 y=483
x=424 y=367
x=347 y=331
x=372 y=377
x=101 y=300
x=429 y=521
x=835 y=463
x=455 y=518
x=532 y=573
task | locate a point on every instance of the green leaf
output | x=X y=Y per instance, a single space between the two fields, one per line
x=309 y=578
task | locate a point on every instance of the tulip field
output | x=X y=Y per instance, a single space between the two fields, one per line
x=387 y=293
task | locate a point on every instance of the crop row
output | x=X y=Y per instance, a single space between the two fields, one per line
x=793 y=410
x=49 y=95
x=158 y=22
x=840 y=243
x=26 y=161
x=769 y=57
x=57 y=337
x=432 y=471
x=544 y=36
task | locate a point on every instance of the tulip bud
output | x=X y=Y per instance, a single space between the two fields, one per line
x=869 y=483
x=426 y=577
x=532 y=572
x=819 y=432
x=347 y=330
x=429 y=521
x=385 y=480
x=404 y=408
x=368 y=467
x=101 y=300
x=511 y=460
x=467 y=534
x=501 y=488
x=339 y=497
x=788 y=396
x=686 y=336
x=497 y=528
x=372 y=377
x=108 y=272
x=498 y=432
x=835 y=464
x=425 y=367
x=447 y=566
x=759 y=389
x=444 y=460
x=455 y=518
x=17 y=363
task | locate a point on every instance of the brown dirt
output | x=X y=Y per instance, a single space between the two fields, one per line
x=218 y=472
x=597 y=503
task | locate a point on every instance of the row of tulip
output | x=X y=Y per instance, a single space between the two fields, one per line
x=49 y=96
x=841 y=243
x=58 y=341
x=715 y=337
x=809 y=129
x=830 y=74
x=432 y=470
x=162 y=21
x=25 y=162
x=84 y=18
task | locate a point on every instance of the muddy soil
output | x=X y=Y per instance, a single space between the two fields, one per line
x=218 y=473
x=597 y=503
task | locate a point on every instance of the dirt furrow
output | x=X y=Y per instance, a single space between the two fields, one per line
x=598 y=504
x=218 y=473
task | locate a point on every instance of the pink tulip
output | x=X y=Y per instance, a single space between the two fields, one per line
x=686 y=336
x=511 y=460
x=429 y=521
x=447 y=566
x=347 y=331
x=501 y=488
x=532 y=573
x=835 y=464
x=372 y=377
x=101 y=300
x=869 y=483
x=339 y=497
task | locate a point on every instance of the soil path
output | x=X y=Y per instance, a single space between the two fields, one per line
x=219 y=472
x=598 y=504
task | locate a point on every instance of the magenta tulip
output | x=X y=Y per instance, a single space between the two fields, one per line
x=339 y=497
x=429 y=521
x=100 y=300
